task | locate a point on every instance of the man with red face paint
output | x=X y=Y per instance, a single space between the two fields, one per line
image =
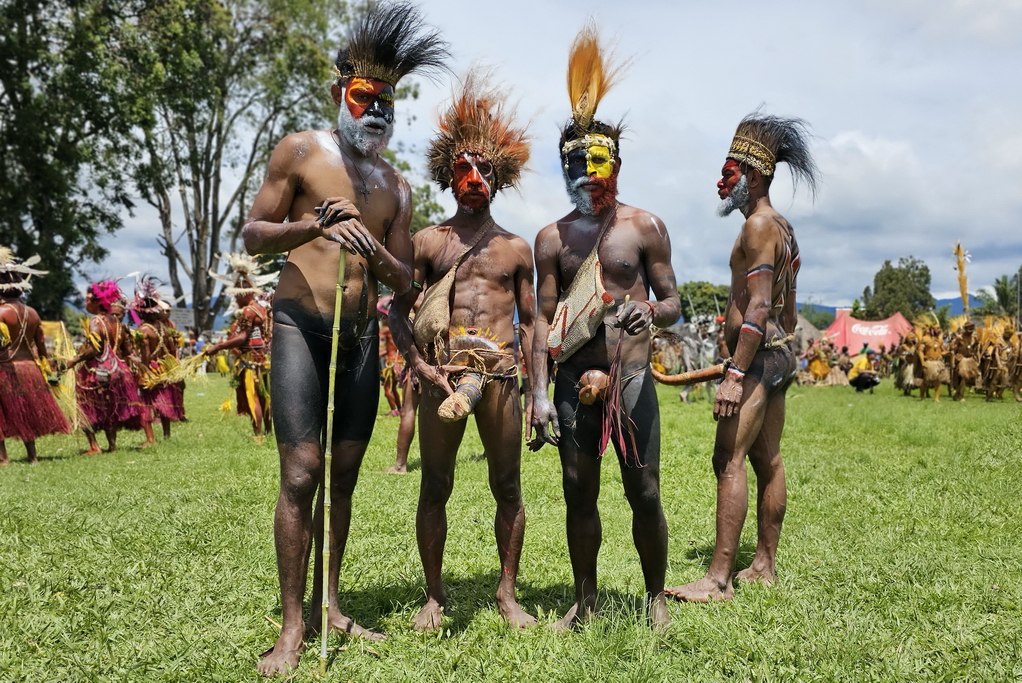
x=476 y=274
x=327 y=195
x=759 y=328
x=626 y=252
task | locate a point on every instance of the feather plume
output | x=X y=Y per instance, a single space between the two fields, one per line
x=479 y=121
x=590 y=76
x=15 y=274
x=390 y=42
x=763 y=141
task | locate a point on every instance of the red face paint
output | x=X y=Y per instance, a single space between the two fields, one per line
x=361 y=93
x=472 y=181
x=603 y=192
x=730 y=174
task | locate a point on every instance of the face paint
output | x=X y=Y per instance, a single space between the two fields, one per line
x=472 y=181
x=368 y=134
x=591 y=196
x=367 y=96
x=732 y=188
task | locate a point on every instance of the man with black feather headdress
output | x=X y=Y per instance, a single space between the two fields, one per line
x=325 y=188
x=759 y=326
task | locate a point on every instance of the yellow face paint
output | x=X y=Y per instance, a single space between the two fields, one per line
x=599 y=161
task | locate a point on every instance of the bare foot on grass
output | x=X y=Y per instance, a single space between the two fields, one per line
x=341 y=623
x=656 y=612
x=282 y=658
x=429 y=617
x=752 y=574
x=394 y=469
x=572 y=618
x=703 y=590
x=514 y=615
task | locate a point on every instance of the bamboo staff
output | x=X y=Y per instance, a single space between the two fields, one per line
x=328 y=461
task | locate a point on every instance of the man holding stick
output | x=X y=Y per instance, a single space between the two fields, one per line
x=759 y=327
x=324 y=187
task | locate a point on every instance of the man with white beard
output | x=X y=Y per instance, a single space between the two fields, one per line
x=597 y=268
x=325 y=188
x=759 y=326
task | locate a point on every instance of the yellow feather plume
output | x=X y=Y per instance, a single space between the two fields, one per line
x=590 y=76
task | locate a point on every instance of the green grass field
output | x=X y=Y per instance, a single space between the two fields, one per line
x=901 y=557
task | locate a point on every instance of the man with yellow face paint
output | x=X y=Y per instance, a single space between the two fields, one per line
x=600 y=263
x=328 y=194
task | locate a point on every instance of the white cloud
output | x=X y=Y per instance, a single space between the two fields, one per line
x=915 y=105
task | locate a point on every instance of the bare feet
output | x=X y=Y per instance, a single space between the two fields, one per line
x=397 y=469
x=656 y=612
x=703 y=590
x=514 y=615
x=92 y=450
x=753 y=574
x=429 y=617
x=572 y=618
x=283 y=657
x=341 y=623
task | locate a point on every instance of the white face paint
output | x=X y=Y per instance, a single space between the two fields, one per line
x=580 y=196
x=738 y=198
x=357 y=132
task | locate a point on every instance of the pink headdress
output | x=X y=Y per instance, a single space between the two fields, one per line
x=106 y=293
x=147 y=298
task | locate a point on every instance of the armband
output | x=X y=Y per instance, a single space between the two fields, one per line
x=759 y=270
x=735 y=372
x=752 y=328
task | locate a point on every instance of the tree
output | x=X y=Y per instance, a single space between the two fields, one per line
x=818 y=317
x=904 y=288
x=1003 y=300
x=226 y=79
x=66 y=115
x=703 y=298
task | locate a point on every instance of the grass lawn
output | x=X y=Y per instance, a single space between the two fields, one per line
x=901 y=557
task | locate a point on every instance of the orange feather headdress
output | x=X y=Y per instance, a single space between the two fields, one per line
x=479 y=122
x=591 y=75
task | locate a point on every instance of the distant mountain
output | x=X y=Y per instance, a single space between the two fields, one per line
x=954 y=302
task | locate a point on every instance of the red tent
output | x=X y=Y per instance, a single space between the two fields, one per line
x=853 y=333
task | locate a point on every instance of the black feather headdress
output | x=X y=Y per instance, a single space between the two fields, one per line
x=391 y=41
x=763 y=141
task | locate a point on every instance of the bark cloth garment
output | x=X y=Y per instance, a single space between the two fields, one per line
x=28 y=409
x=106 y=388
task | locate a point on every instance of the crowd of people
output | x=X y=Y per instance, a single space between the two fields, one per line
x=588 y=295
x=963 y=359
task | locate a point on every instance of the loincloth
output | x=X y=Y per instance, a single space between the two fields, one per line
x=935 y=372
x=967 y=369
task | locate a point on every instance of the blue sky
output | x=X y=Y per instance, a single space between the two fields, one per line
x=914 y=105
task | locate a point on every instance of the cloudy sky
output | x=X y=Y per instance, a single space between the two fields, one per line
x=915 y=105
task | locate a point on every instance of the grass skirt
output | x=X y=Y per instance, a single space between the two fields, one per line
x=27 y=407
x=109 y=401
x=166 y=401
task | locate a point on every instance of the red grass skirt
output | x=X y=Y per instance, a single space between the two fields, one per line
x=113 y=403
x=27 y=407
x=166 y=401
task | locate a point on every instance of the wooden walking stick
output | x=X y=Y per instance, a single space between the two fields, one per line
x=328 y=452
